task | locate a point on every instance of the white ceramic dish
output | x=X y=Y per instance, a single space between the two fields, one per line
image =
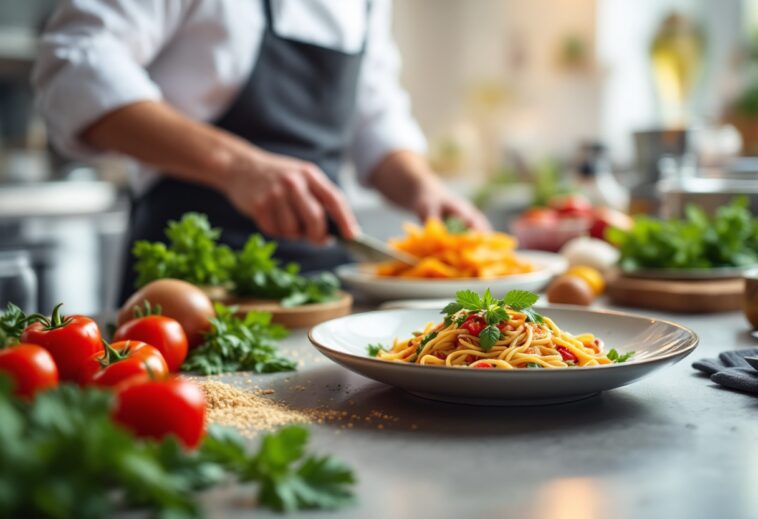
x=657 y=344
x=362 y=278
x=693 y=274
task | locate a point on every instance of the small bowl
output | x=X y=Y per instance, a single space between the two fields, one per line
x=549 y=237
x=751 y=296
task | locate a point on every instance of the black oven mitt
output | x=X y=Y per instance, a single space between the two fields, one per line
x=731 y=370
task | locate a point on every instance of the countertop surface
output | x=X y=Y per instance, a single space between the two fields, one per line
x=671 y=445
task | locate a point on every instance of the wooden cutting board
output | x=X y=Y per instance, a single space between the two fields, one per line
x=686 y=296
x=303 y=316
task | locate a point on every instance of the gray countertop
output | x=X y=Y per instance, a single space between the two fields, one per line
x=672 y=445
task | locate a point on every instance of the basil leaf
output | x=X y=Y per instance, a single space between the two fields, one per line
x=489 y=337
x=520 y=299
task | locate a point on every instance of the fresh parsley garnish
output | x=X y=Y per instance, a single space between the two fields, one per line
x=533 y=365
x=618 y=358
x=492 y=310
x=374 y=349
x=239 y=344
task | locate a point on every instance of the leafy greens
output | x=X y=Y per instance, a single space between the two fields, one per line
x=62 y=456
x=239 y=344
x=192 y=254
x=257 y=274
x=728 y=239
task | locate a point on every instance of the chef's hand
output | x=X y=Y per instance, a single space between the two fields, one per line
x=288 y=198
x=434 y=200
x=406 y=179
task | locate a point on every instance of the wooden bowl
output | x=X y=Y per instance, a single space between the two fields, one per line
x=303 y=316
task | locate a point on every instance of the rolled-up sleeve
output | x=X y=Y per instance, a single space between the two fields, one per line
x=92 y=60
x=384 y=122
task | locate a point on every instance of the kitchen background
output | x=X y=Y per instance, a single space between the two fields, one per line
x=656 y=99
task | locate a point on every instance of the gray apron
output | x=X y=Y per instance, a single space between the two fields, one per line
x=298 y=101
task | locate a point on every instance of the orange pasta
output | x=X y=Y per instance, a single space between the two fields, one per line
x=447 y=255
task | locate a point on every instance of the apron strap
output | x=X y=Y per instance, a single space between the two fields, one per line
x=267 y=13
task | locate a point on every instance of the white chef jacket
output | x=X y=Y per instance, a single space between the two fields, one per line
x=99 y=55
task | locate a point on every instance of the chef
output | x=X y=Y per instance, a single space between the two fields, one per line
x=243 y=110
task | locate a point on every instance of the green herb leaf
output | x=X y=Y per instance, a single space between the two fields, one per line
x=455 y=225
x=192 y=254
x=374 y=349
x=257 y=273
x=452 y=308
x=495 y=315
x=533 y=316
x=489 y=337
x=533 y=365
x=519 y=300
x=469 y=300
x=618 y=358
x=318 y=482
x=62 y=456
x=12 y=324
x=239 y=344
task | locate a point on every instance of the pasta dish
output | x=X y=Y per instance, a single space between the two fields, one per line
x=447 y=254
x=484 y=332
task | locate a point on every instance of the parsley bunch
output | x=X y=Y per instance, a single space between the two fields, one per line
x=258 y=274
x=62 y=456
x=728 y=239
x=492 y=310
x=239 y=344
x=192 y=254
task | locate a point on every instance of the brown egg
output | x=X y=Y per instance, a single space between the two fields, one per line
x=179 y=300
x=570 y=290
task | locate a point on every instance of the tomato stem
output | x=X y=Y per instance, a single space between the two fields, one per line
x=56 y=320
x=111 y=355
x=146 y=310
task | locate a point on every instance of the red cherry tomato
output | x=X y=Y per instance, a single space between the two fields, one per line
x=482 y=365
x=161 y=332
x=71 y=340
x=121 y=361
x=567 y=354
x=474 y=325
x=158 y=408
x=540 y=216
x=31 y=368
x=572 y=206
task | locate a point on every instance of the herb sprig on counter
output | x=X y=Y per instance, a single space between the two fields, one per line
x=239 y=344
x=258 y=274
x=192 y=254
x=492 y=311
x=62 y=456
x=728 y=239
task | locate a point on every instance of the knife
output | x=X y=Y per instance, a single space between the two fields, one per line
x=368 y=248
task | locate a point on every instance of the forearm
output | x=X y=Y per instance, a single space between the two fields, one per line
x=401 y=176
x=155 y=134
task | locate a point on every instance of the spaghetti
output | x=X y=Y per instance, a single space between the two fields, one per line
x=523 y=340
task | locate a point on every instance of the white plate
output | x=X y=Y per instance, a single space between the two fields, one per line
x=362 y=278
x=656 y=343
x=673 y=274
